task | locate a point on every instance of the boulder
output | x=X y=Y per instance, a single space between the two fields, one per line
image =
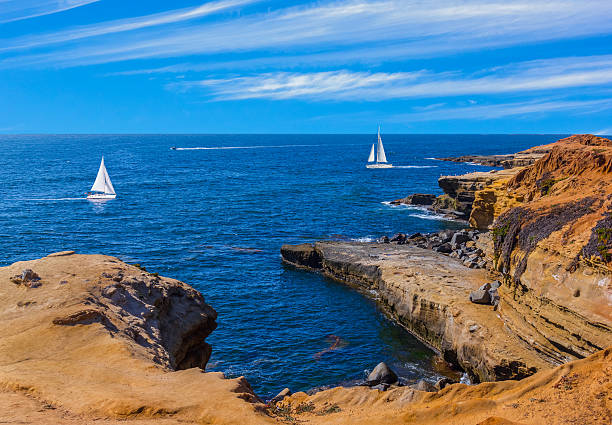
x=28 y=275
x=280 y=396
x=381 y=387
x=424 y=386
x=445 y=248
x=383 y=239
x=400 y=238
x=459 y=238
x=485 y=287
x=444 y=382
x=494 y=296
x=480 y=297
x=381 y=374
x=415 y=236
x=446 y=235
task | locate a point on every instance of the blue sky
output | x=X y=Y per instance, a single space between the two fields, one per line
x=342 y=66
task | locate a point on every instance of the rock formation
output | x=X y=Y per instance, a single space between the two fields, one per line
x=97 y=339
x=550 y=246
x=461 y=190
x=519 y=159
x=428 y=293
x=553 y=250
x=574 y=393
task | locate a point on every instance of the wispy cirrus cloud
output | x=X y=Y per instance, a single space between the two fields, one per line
x=501 y=110
x=550 y=74
x=604 y=132
x=17 y=10
x=337 y=30
x=123 y=25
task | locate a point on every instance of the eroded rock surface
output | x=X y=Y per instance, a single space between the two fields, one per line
x=574 y=393
x=101 y=340
x=428 y=293
x=462 y=189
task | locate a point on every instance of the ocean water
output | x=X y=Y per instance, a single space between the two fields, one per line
x=216 y=216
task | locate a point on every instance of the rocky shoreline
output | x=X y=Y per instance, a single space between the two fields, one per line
x=521 y=301
x=429 y=294
x=538 y=286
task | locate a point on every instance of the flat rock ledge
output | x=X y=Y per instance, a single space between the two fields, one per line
x=427 y=293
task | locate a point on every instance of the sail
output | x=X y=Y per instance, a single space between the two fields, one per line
x=380 y=154
x=371 y=157
x=99 y=185
x=109 y=186
x=103 y=182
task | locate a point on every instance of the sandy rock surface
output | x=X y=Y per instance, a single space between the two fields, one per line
x=102 y=340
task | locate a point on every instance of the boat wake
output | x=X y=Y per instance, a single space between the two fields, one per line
x=415 y=166
x=209 y=148
x=52 y=199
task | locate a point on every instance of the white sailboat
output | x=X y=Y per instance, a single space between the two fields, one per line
x=102 y=187
x=381 y=158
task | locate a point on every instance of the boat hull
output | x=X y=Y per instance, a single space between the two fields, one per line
x=379 y=166
x=101 y=196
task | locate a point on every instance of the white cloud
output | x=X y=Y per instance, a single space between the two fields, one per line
x=124 y=25
x=494 y=111
x=551 y=74
x=335 y=31
x=17 y=10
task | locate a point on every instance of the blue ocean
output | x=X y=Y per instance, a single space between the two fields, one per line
x=215 y=212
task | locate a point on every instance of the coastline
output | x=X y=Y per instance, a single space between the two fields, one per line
x=428 y=294
x=129 y=345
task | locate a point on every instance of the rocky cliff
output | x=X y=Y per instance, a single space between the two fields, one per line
x=88 y=338
x=553 y=248
x=428 y=293
x=460 y=191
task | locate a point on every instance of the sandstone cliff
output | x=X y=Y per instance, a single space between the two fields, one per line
x=428 y=293
x=554 y=249
x=88 y=337
x=461 y=190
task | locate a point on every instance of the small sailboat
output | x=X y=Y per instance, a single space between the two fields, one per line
x=102 y=187
x=381 y=158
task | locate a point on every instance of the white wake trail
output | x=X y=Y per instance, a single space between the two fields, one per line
x=51 y=199
x=206 y=148
x=415 y=166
